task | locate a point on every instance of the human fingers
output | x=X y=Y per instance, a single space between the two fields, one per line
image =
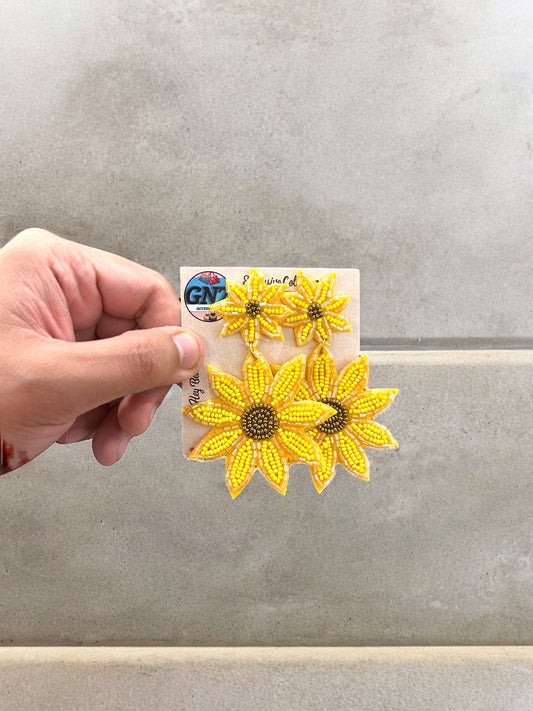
x=92 y=373
x=136 y=411
x=110 y=440
x=126 y=291
x=93 y=283
x=84 y=426
x=110 y=326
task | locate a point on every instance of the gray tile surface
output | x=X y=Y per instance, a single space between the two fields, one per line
x=393 y=136
x=436 y=549
x=423 y=679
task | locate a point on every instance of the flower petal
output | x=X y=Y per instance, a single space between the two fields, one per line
x=271 y=328
x=230 y=388
x=338 y=322
x=370 y=402
x=250 y=333
x=351 y=455
x=216 y=443
x=352 y=379
x=321 y=372
x=240 y=465
x=287 y=380
x=306 y=413
x=294 y=300
x=272 y=293
x=304 y=392
x=299 y=445
x=213 y=413
x=296 y=318
x=304 y=333
x=337 y=303
x=273 y=466
x=372 y=434
x=324 y=473
x=275 y=310
x=233 y=325
x=237 y=291
x=228 y=307
x=323 y=329
x=325 y=288
x=257 y=376
x=255 y=285
x=306 y=285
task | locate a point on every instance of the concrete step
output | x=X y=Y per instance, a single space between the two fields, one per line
x=434 y=550
x=270 y=679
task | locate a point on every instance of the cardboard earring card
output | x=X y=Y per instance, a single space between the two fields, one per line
x=282 y=381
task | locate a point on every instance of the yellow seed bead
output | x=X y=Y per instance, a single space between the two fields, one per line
x=239 y=464
x=209 y=415
x=321 y=330
x=268 y=325
x=296 y=444
x=335 y=303
x=327 y=461
x=286 y=382
x=369 y=402
x=353 y=456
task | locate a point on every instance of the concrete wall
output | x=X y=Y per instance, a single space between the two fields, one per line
x=394 y=136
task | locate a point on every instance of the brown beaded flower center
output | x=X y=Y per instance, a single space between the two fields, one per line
x=315 y=311
x=253 y=309
x=259 y=421
x=336 y=422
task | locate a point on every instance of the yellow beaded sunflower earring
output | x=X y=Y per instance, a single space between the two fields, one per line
x=253 y=309
x=315 y=309
x=343 y=436
x=257 y=422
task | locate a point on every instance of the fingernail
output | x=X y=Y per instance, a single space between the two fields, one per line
x=188 y=349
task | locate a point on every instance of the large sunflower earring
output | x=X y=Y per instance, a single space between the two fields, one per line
x=316 y=314
x=343 y=436
x=257 y=422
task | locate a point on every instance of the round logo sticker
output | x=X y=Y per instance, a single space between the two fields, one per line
x=204 y=289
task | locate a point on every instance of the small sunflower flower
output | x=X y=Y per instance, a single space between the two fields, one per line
x=252 y=309
x=315 y=309
x=257 y=422
x=344 y=435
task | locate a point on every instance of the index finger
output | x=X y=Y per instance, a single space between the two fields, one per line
x=127 y=291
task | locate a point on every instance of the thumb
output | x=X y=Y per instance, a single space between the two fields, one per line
x=96 y=372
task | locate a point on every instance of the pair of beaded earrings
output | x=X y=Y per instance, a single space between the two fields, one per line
x=302 y=411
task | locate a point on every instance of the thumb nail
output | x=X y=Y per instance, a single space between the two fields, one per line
x=188 y=349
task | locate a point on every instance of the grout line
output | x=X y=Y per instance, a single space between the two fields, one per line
x=441 y=344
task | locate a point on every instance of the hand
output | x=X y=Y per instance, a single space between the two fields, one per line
x=89 y=346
